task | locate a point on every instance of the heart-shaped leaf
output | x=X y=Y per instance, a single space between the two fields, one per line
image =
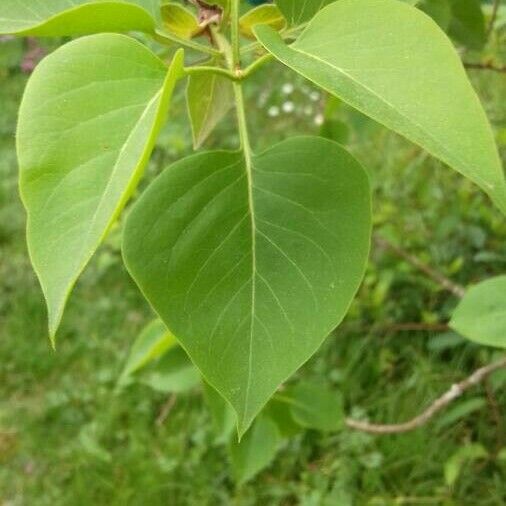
x=252 y=263
x=481 y=314
x=374 y=55
x=77 y=17
x=87 y=125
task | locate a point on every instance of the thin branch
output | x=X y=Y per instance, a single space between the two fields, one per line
x=203 y=69
x=485 y=66
x=493 y=17
x=415 y=327
x=166 y=409
x=442 y=402
x=433 y=274
x=495 y=412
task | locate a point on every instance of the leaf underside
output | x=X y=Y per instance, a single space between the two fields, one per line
x=209 y=98
x=77 y=17
x=417 y=88
x=87 y=125
x=252 y=283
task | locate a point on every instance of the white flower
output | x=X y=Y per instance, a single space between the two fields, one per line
x=287 y=88
x=273 y=111
x=288 y=106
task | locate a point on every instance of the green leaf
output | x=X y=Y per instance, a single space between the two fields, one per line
x=481 y=314
x=314 y=406
x=209 y=98
x=256 y=450
x=297 y=12
x=419 y=90
x=251 y=267
x=87 y=125
x=153 y=341
x=77 y=17
x=468 y=24
x=461 y=410
x=281 y=414
x=222 y=414
x=335 y=130
x=454 y=464
x=439 y=10
x=179 y=21
x=173 y=372
x=266 y=14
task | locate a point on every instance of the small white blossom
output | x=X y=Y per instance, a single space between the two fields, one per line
x=314 y=96
x=318 y=120
x=273 y=111
x=287 y=88
x=288 y=106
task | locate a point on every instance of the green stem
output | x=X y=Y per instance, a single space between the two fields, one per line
x=235 y=37
x=286 y=34
x=235 y=64
x=165 y=38
x=257 y=64
x=202 y=69
x=241 y=122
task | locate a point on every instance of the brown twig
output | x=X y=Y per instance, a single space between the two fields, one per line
x=416 y=327
x=485 y=66
x=495 y=412
x=433 y=274
x=442 y=402
x=493 y=17
x=166 y=409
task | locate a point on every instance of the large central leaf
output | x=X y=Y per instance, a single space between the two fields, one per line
x=251 y=264
x=393 y=63
x=87 y=125
x=76 y=17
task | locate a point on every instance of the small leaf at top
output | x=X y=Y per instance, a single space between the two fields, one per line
x=266 y=14
x=252 y=264
x=481 y=314
x=87 y=124
x=420 y=90
x=256 y=450
x=77 y=17
x=209 y=97
x=298 y=12
x=179 y=21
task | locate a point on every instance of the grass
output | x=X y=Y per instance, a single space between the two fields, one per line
x=67 y=439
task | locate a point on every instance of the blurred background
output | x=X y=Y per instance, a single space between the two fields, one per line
x=68 y=436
